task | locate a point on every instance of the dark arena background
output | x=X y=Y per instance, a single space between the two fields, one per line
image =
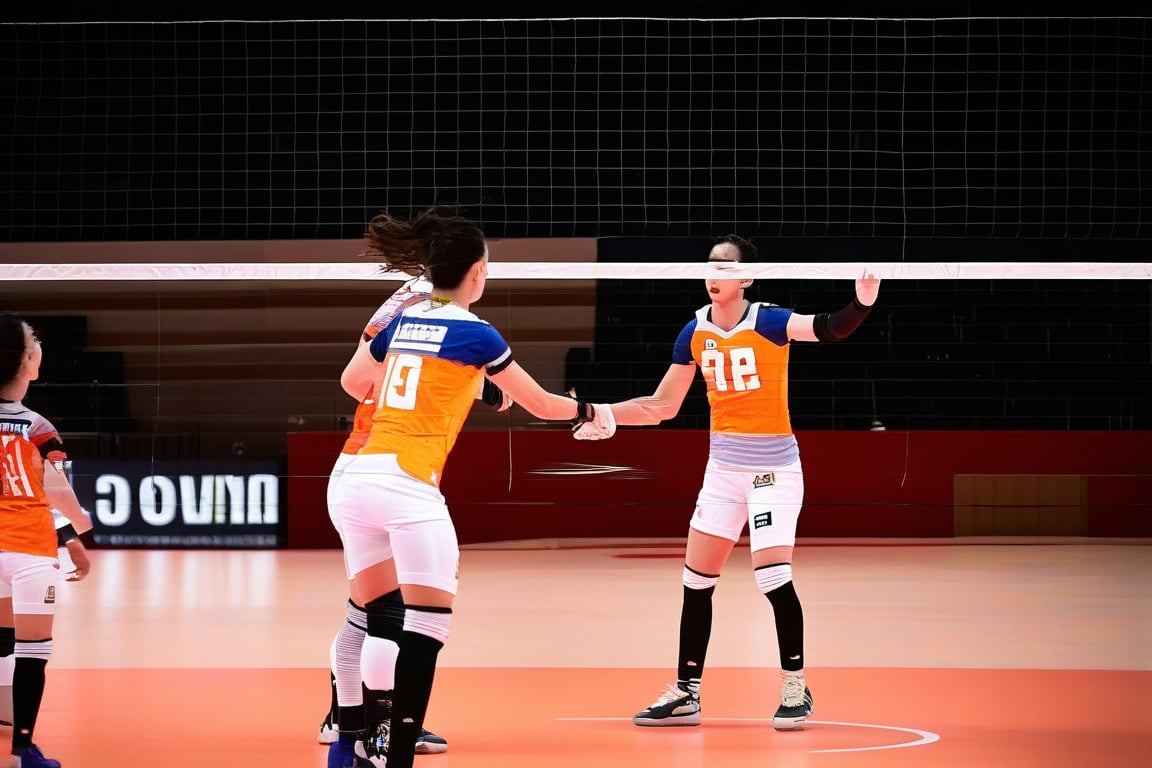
x=182 y=202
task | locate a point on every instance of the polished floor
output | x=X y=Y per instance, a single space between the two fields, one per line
x=940 y=654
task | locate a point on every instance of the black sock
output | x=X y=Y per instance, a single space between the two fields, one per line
x=415 y=671
x=7 y=648
x=695 y=632
x=789 y=626
x=350 y=719
x=27 y=692
x=385 y=619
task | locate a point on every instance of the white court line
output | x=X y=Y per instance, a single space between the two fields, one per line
x=926 y=737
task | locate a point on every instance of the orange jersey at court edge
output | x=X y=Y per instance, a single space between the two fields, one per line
x=745 y=369
x=412 y=292
x=434 y=357
x=25 y=514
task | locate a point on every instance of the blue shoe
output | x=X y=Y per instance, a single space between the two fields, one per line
x=31 y=757
x=339 y=755
x=428 y=743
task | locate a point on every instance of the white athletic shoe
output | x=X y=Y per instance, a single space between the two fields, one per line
x=329 y=731
x=674 y=707
x=795 y=703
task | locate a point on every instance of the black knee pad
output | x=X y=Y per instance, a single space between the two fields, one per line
x=386 y=616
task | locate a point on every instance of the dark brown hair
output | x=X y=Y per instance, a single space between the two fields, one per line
x=437 y=241
x=747 y=250
x=13 y=344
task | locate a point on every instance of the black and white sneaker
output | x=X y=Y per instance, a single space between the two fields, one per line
x=795 y=703
x=373 y=748
x=329 y=731
x=674 y=707
x=428 y=743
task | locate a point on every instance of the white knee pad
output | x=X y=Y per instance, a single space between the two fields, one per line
x=40 y=650
x=378 y=663
x=772 y=577
x=694 y=580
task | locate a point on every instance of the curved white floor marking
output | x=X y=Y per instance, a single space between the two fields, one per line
x=926 y=737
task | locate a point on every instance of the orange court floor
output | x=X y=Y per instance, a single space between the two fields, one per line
x=942 y=653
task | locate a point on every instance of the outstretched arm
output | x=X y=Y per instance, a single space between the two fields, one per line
x=838 y=325
x=661 y=405
x=493 y=397
x=519 y=385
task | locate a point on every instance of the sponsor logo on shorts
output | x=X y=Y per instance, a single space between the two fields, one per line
x=50 y=596
x=762 y=520
x=760 y=481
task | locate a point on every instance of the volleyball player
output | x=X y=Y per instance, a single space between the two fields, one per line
x=346 y=712
x=398 y=535
x=753 y=475
x=30 y=488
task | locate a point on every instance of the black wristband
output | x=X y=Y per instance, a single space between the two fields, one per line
x=65 y=534
x=584 y=412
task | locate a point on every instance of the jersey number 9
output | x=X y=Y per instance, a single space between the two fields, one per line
x=401 y=378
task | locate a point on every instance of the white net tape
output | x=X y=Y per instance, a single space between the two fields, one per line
x=587 y=271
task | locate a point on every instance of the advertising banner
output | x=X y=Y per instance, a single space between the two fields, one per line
x=181 y=504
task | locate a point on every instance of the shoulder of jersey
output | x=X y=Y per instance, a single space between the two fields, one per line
x=419 y=285
x=437 y=312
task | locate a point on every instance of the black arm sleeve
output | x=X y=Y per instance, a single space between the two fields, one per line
x=492 y=395
x=50 y=445
x=839 y=325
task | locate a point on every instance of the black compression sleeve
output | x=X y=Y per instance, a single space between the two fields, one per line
x=839 y=325
x=492 y=395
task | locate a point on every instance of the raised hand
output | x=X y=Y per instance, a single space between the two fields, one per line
x=867 y=288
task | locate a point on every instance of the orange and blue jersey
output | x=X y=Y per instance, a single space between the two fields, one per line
x=745 y=369
x=434 y=358
x=412 y=292
x=25 y=514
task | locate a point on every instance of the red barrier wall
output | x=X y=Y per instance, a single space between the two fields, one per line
x=859 y=484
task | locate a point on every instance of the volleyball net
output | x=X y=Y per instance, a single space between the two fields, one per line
x=773 y=127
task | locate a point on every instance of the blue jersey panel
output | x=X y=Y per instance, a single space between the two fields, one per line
x=468 y=342
x=682 y=349
x=772 y=324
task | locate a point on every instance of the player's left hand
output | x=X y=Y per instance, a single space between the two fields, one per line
x=867 y=288
x=601 y=427
x=79 y=555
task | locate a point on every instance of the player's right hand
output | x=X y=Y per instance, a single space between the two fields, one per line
x=867 y=288
x=601 y=427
